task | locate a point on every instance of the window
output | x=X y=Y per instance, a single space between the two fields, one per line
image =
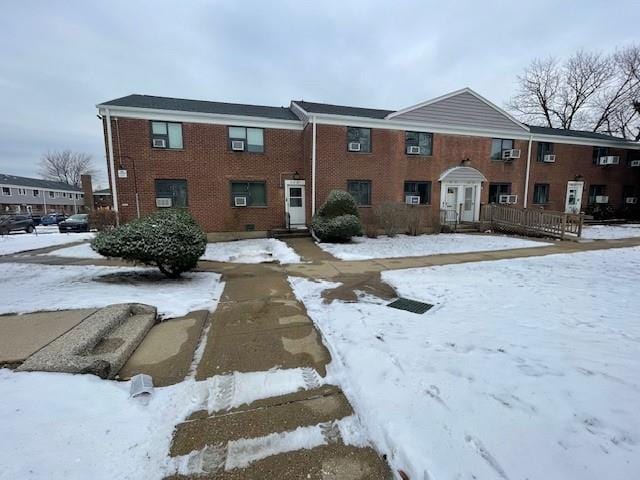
x=499 y=145
x=599 y=152
x=497 y=189
x=253 y=138
x=541 y=193
x=628 y=191
x=6 y=191
x=176 y=190
x=360 y=190
x=422 y=140
x=420 y=189
x=596 y=191
x=544 y=148
x=255 y=193
x=170 y=133
x=36 y=193
x=52 y=194
x=22 y=191
x=361 y=136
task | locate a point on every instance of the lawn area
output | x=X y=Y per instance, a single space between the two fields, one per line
x=524 y=368
x=363 y=248
x=611 y=232
x=43 y=237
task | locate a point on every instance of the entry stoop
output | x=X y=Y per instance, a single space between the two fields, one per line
x=282 y=233
x=100 y=344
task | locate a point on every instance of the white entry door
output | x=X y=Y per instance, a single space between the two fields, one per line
x=469 y=204
x=294 y=203
x=573 y=202
x=461 y=202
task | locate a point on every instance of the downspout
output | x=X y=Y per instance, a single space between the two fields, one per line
x=313 y=167
x=526 y=178
x=112 y=167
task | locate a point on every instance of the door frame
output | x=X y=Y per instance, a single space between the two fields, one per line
x=287 y=185
x=570 y=184
x=460 y=196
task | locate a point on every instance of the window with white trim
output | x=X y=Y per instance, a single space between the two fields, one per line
x=6 y=191
x=252 y=139
x=166 y=135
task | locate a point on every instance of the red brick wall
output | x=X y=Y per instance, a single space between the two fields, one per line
x=208 y=166
x=574 y=160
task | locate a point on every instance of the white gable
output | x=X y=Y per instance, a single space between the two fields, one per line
x=463 y=108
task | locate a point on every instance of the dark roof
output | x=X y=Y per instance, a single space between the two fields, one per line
x=201 y=106
x=576 y=133
x=36 y=183
x=104 y=191
x=312 y=107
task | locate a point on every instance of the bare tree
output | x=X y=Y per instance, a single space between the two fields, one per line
x=66 y=166
x=588 y=91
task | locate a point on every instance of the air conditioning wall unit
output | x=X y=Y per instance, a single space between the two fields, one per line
x=237 y=145
x=159 y=143
x=163 y=202
x=413 y=150
x=240 y=201
x=412 y=199
x=511 y=154
x=508 y=199
x=602 y=199
x=549 y=159
x=635 y=163
x=632 y=200
x=609 y=160
x=354 y=146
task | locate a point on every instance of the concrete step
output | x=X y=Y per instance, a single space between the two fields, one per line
x=282 y=233
x=100 y=344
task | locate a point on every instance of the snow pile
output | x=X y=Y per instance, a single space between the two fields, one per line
x=611 y=232
x=363 y=248
x=16 y=242
x=29 y=288
x=257 y=250
x=61 y=426
x=524 y=368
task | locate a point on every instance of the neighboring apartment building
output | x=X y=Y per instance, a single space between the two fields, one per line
x=245 y=167
x=33 y=195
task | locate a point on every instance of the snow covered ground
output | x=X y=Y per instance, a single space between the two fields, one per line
x=45 y=237
x=257 y=250
x=610 y=232
x=525 y=368
x=29 y=288
x=58 y=426
x=83 y=250
x=363 y=248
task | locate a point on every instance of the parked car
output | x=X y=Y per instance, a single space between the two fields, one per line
x=75 y=223
x=52 y=219
x=12 y=223
x=36 y=219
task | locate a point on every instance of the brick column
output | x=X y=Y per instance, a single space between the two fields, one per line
x=87 y=190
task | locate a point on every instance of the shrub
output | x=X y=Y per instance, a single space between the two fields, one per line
x=600 y=211
x=338 y=203
x=414 y=221
x=336 y=229
x=392 y=217
x=371 y=230
x=168 y=239
x=102 y=219
x=337 y=219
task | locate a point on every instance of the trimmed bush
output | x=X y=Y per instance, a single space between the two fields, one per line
x=102 y=219
x=337 y=219
x=338 y=203
x=168 y=239
x=392 y=217
x=338 y=229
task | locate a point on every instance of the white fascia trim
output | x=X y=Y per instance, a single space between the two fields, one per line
x=40 y=189
x=197 y=117
x=592 y=142
x=302 y=114
x=417 y=127
x=458 y=92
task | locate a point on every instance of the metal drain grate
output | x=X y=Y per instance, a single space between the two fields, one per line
x=412 y=306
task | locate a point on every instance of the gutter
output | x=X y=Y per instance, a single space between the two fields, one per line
x=526 y=178
x=114 y=188
x=313 y=167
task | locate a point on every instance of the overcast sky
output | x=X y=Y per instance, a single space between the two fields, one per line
x=59 y=59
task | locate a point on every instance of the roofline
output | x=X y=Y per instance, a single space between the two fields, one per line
x=453 y=94
x=294 y=105
x=198 y=117
x=40 y=189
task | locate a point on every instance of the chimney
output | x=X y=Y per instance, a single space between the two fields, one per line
x=87 y=190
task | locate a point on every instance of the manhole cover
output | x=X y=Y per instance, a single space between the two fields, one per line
x=410 y=305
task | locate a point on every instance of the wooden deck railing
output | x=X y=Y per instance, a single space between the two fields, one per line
x=534 y=222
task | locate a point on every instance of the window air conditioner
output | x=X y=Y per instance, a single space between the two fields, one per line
x=413 y=150
x=412 y=199
x=163 y=202
x=511 y=154
x=508 y=199
x=240 y=201
x=354 y=146
x=237 y=145
x=549 y=159
x=602 y=199
x=159 y=143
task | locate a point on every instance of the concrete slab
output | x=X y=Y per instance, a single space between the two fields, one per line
x=309 y=250
x=166 y=353
x=23 y=335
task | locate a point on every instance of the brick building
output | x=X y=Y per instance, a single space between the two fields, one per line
x=245 y=167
